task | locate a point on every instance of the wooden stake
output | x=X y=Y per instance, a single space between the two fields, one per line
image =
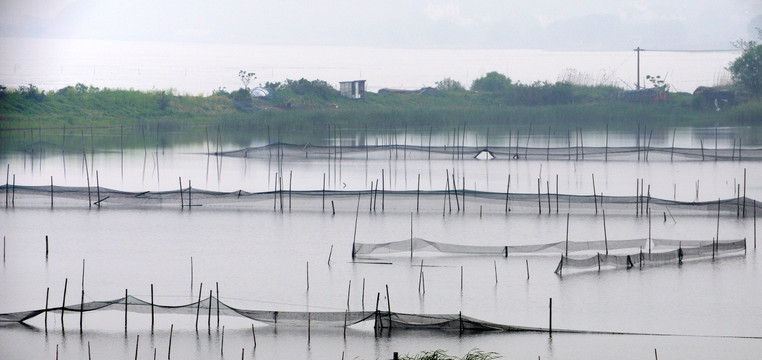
x=495 y=264
x=383 y=189
x=744 y=192
x=169 y=349
x=125 y=311
x=324 y=189
x=182 y=201
x=98 y=188
x=550 y=316
x=51 y=192
x=217 y=285
x=63 y=302
x=329 y=255
x=137 y=344
x=209 y=314
x=354 y=237
x=539 y=198
x=47 y=296
x=461 y=279
x=254 y=336
x=595 y=199
x=527 y=261
x=349 y=290
x=46 y=247
x=418 y=194
x=82 y=300
x=308 y=276
x=222 y=342
x=198 y=304
x=152 y=312
x=389 y=306
x=7 y=177
x=605 y=235
x=507 y=191
x=567 y=234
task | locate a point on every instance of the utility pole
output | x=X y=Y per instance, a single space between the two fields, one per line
x=638 y=50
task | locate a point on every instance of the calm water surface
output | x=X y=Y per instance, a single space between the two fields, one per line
x=259 y=259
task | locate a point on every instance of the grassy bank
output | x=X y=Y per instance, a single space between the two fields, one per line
x=576 y=106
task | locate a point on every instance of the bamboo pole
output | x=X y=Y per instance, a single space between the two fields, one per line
x=125 y=310
x=198 y=304
x=418 y=194
x=217 y=285
x=63 y=302
x=308 y=276
x=507 y=191
x=47 y=296
x=354 y=236
x=152 y=311
x=595 y=199
x=605 y=235
x=82 y=300
x=324 y=190
x=455 y=190
x=527 y=262
x=182 y=201
x=389 y=307
x=98 y=188
x=254 y=336
x=169 y=349
x=744 y=192
x=51 y=192
x=550 y=316
x=567 y=234
x=539 y=197
x=209 y=314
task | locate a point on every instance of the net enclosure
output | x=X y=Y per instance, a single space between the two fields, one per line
x=586 y=255
x=448 y=200
x=338 y=150
x=380 y=319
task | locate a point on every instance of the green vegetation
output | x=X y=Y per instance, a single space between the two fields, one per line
x=474 y=354
x=493 y=100
x=746 y=70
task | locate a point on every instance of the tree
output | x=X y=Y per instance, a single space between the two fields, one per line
x=492 y=82
x=246 y=78
x=746 y=70
x=448 y=84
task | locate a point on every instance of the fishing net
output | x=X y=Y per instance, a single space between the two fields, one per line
x=680 y=250
x=403 y=151
x=417 y=245
x=380 y=319
x=452 y=200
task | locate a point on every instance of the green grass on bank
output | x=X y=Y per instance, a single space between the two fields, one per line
x=293 y=107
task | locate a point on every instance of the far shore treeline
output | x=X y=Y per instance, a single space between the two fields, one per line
x=492 y=100
x=574 y=101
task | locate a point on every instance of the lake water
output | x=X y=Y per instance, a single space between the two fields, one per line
x=192 y=68
x=259 y=256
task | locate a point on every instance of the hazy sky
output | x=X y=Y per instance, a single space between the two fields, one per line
x=539 y=24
